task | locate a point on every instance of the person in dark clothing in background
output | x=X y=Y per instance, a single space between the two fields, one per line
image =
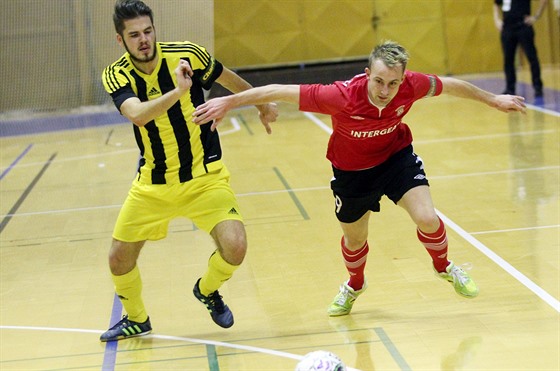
x=514 y=21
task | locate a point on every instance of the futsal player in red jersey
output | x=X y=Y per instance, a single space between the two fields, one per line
x=371 y=154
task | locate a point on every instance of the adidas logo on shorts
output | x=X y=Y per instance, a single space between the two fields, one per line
x=233 y=211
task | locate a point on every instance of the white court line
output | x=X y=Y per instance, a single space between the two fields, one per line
x=484 y=137
x=78 y=158
x=510 y=171
x=543 y=110
x=516 y=229
x=236 y=127
x=549 y=299
x=249 y=194
x=248 y=348
x=318 y=122
x=322 y=125
x=234 y=122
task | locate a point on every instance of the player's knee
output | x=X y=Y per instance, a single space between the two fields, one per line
x=428 y=223
x=354 y=243
x=234 y=249
x=120 y=259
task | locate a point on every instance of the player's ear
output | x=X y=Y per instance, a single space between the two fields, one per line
x=367 y=71
x=119 y=39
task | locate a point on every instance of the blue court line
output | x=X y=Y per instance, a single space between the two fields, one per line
x=25 y=193
x=13 y=164
x=35 y=125
x=110 y=354
x=392 y=348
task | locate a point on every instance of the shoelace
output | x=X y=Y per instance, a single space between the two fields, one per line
x=123 y=323
x=216 y=302
x=343 y=295
x=459 y=275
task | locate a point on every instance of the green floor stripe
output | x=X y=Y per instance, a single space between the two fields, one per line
x=390 y=346
x=245 y=124
x=292 y=194
x=212 y=358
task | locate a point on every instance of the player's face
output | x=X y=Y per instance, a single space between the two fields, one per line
x=139 y=39
x=383 y=82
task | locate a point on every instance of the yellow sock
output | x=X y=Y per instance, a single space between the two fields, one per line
x=129 y=289
x=218 y=272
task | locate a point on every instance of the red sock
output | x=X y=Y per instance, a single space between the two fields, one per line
x=436 y=245
x=355 y=262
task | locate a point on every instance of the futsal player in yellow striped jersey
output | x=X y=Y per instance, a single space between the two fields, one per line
x=157 y=85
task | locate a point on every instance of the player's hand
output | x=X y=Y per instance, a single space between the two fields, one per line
x=268 y=113
x=184 y=73
x=214 y=109
x=499 y=24
x=529 y=20
x=510 y=103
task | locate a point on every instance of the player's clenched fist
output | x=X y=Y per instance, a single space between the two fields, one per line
x=184 y=73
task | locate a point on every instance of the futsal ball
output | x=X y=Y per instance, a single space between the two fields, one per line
x=320 y=360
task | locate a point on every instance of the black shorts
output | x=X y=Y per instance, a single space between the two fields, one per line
x=357 y=192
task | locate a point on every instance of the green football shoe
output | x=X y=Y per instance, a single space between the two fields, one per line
x=462 y=282
x=344 y=300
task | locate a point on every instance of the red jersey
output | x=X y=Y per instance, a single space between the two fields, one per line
x=365 y=135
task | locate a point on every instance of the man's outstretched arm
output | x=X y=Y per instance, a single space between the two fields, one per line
x=464 y=89
x=216 y=109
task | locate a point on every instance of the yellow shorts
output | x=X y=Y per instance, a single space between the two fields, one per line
x=206 y=200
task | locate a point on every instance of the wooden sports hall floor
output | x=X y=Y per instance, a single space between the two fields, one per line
x=495 y=182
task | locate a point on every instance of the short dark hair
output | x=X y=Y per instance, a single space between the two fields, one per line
x=129 y=9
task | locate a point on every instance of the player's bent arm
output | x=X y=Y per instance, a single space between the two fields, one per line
x=140 y=113
x=464 y=89
x=232 y=81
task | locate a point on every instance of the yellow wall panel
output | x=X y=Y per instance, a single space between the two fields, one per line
x=473 y=42
x=257 y=32
x=325 y=29
x=295 y=31
x=442 y=36
x=417 y=26
x=407 y=10
x=337 y=29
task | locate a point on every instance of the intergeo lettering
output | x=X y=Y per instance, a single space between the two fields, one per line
x=373 y=133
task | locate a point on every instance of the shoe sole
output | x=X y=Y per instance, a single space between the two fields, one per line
x=126 y=337
x=468 y=296
x=338 y=314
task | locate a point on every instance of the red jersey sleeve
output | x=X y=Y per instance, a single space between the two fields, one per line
x=425 y=85
x=327 y=99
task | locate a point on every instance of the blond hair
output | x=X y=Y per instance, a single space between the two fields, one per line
x=390 y=53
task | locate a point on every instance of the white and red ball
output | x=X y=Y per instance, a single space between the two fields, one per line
x=320 y=360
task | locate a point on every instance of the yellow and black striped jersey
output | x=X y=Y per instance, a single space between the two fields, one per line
x=173 y=149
